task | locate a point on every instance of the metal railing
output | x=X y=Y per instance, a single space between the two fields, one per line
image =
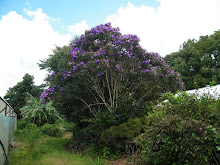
x=8 y=125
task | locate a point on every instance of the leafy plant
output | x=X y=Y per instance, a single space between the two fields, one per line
x=52 y=130
x=183 y=131
x=118 y=136
x=198 y=61
x=29 y=134
x=16 y=95
x=37 y=112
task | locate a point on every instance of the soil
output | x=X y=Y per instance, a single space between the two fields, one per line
x=16 y=144
x=121 y=161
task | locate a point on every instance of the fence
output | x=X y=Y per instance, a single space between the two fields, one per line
x=8 y=124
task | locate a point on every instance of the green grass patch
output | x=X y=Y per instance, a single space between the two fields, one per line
x=49 y=151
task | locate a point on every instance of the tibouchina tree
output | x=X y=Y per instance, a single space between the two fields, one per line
x=104 y=69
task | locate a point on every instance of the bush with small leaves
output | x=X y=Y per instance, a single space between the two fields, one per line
x=183 y=131
x=118 y=136
x=52 y=130
x=29 y=134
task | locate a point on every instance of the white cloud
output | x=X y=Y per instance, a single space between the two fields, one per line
x=23 y=44
x=164 y=29
x=78 y=28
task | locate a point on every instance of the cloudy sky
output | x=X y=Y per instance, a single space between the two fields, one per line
x=30 y=29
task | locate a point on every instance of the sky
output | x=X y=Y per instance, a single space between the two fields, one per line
x=31 y=29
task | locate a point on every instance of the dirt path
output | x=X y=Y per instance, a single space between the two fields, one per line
x=121 y=161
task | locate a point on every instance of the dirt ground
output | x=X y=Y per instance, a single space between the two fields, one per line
x=121 y=161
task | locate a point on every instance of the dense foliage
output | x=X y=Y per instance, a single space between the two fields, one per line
x=16 y=95
x=183 y=131
x=198 y=62
x=105 y=69
x=36 y=112
x=110 y=86
x=105 y=79
x=42 y=145
x=119 y=136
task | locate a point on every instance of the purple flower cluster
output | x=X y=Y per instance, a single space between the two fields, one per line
x=104 y=48
x=66 y=74
x=49 y=92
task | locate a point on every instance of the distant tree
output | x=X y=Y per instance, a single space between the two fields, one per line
x=16 y=95
x=198 y=62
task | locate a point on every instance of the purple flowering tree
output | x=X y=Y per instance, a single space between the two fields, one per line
x=111 y=67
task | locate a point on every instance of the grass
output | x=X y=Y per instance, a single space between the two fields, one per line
x=49 y=151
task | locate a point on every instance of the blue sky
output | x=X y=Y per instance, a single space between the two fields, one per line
x=72 y=11
x=30 y=29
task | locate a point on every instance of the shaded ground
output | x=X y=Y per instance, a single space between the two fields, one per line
x=48 y=151
x=51 y=151
x=121 y=161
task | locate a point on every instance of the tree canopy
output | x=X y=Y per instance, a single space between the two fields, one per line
x=16 y=95
x=198 y=62
x=103 y=69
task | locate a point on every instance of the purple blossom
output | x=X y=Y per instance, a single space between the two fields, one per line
x=106 y=61
x=44 y=95
x=147 y=61
x=51 y=90
x=171 y=72
x=74 y=68
x=146 y=70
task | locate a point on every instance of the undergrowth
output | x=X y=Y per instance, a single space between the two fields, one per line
x=38 y=149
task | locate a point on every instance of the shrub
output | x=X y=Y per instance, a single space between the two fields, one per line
x=204 y=108
x=118 y=136
x=65 y=125
x=88 y=131
x=52 y=130
x=30 y=133
x=183 y=131
x=21 y=124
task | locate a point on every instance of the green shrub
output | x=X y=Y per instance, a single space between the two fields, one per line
x=186 y=105
x=118 y=136
x=65 y=125
x=52 y=130
x=104 y=152
x=21 y=124
x=169 y=139
x=183 y=131
x=88 y=131
x=29 y=134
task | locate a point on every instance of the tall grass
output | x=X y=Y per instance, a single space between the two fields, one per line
x=47 y=151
